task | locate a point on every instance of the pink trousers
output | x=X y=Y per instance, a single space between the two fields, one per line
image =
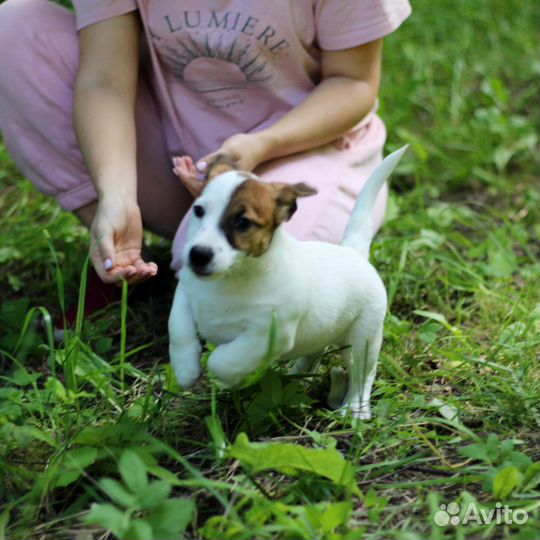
x=39 y=55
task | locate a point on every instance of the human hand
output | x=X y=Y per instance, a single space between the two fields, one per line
x=185 y=169
x=248 y=150
x=116 y=241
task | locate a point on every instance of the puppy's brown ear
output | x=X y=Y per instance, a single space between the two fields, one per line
x=222 y=163
x=286 y=199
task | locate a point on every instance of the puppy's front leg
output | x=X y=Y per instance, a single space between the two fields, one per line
x=232 y=362
x=184 y=346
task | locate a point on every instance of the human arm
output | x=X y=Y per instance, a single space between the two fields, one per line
x=346 y=94
x=103 y=116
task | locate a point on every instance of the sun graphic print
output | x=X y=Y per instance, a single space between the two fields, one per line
x=215 y=64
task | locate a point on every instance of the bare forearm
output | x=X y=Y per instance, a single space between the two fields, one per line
x=332 y=109
x=105 y=126
x=103 y=114
x=347 y=93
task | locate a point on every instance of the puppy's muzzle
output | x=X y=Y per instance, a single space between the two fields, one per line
x=200 y=258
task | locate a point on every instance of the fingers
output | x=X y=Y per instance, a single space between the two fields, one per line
x=132 y=272
x=187 y=172
x=202 y=164
x=104 y=246
x=135 y=272
x=143 y=271
x=103 y=257
x=183 y=166
x=97 y=262
x=116 y=239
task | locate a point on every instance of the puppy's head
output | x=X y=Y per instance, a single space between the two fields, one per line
x=220 y=164
x=235 y=218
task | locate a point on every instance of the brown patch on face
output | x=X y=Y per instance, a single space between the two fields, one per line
x=255 y=211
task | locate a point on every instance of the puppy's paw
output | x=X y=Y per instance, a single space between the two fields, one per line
x=361 y=414
x=186 y=364
x=226 y=381
x=187 y=377
x=357 y=412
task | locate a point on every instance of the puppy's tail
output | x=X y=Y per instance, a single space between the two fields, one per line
x=359 y=231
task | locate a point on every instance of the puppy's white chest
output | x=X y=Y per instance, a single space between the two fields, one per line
x=221 y=315
x=218 y=322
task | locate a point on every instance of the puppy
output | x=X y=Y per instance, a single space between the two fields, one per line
x=244 y=276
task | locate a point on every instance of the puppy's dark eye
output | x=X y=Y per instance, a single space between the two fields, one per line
x=198 y=210
x=242 y=224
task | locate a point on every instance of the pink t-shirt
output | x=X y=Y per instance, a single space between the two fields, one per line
x=228 y=66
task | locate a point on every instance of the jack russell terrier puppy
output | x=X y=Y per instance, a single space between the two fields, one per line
x=244 y=277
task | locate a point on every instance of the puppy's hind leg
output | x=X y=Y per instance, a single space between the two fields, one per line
x=365 y=339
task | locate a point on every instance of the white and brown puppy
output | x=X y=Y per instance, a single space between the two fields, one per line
x=242 y=271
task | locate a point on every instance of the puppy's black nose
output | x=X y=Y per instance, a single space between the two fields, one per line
x=200 y=256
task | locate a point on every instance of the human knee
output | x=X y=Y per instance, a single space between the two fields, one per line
x=19 y=20
x=25 y=27
x=23 y=11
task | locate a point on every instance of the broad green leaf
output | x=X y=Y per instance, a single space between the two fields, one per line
x=335 y=515
x=432 y=315
x=171 y=518
x=25 y=434
x=118 y=493
x=373 y=500
x=505 y=481
x=139 y=529
x=502 y=261
x=57 y=388
x=133 y=471
x=531 y=477
x=518 y=460
x=476 y=451
x=428 y=238
x=354 y=534
x=154 y=494
x=507 y=446
x=292 y=458
x=493 y=447
x=108 y=517
x=113 y=434
x=21 y=377
x=163 y=474
x=73 y=463
x=271 y=386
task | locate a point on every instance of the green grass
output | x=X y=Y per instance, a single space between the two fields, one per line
x=90 y=424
